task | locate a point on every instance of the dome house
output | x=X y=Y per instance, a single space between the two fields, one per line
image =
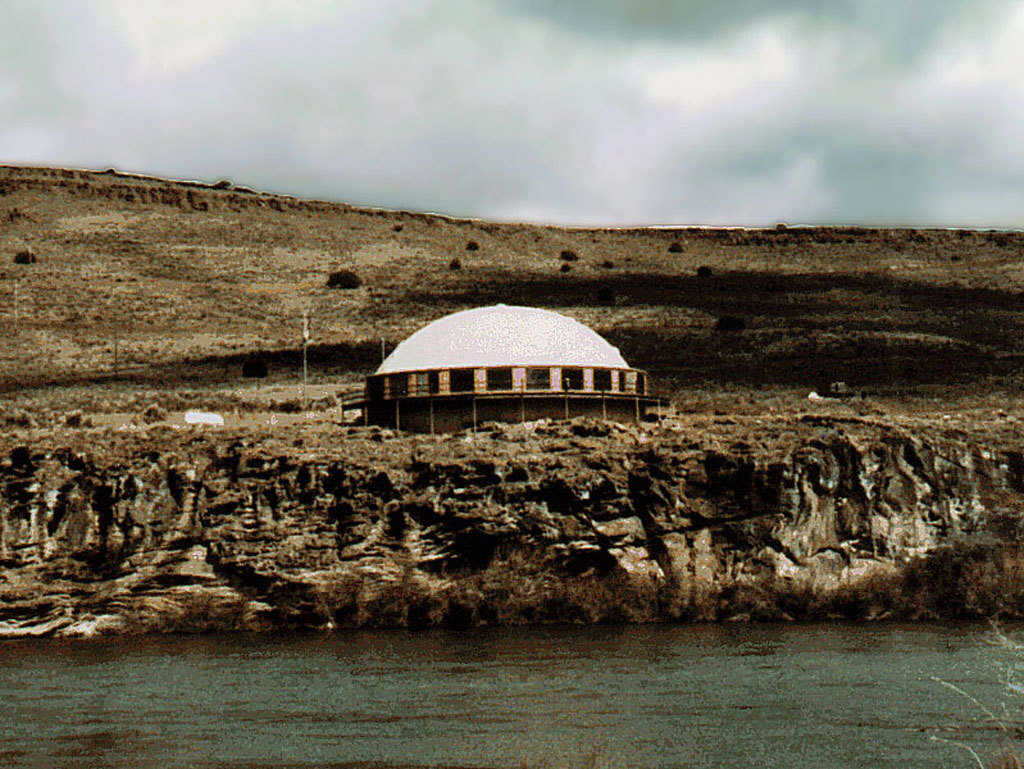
x=502 y=363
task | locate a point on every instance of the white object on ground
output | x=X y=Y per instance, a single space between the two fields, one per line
x=203 y=418
x=813 y=396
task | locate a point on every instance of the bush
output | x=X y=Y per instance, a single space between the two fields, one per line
x=675 y=248
x=704 y=271
x=153 y=413
x=472 y=245
x=568 y=256
x=21 y=457
x=344 y=279
x=566 y=267
x=605 y=295
x=25 y=256
x=730 y=323
x=397 y=228
x=254 y=368
x=608 y=264
x=223 y=184
x=455 y=264
x=21 y=418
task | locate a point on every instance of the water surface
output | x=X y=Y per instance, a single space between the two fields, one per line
x=816 y=695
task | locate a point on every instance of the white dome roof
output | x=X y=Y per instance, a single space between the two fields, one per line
x=502 y=336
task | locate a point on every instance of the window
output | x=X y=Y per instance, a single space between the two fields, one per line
x=538 y=379
x=421 y=384
x=435 y=382
x=461 y=380
x=375 y=388
x=641 y=383
x=499 y=379
x=572 y=379
x=628 y=381
x=602 y=379
x=399 y=385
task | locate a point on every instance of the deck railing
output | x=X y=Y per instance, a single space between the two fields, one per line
x=411 y=385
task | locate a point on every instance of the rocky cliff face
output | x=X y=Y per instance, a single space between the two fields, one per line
x=180 y=531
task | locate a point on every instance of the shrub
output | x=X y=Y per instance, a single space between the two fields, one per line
x=153 y=413
x=397 y=228
x=704 y=271
x=730 y=323
x=21 y=457
x=25 y=256
x=608 y=264
x=455 y=264
x=568 y=256
x=1008 y=759
x=289 y=406
x=324 y=403
x=223 y=184
x=254 y=368
x=675 y=248
x=605 y=295
x=472 y=245
x=566 y=267
x=21 y=418
x=344 y=279
x=73 y=419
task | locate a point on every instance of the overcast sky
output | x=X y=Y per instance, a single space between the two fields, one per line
x=572 y=111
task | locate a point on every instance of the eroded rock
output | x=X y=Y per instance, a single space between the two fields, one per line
x=564 y=522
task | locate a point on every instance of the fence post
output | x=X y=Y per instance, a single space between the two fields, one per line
x=305 y=344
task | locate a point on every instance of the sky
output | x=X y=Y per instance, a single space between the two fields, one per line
x=588 y=112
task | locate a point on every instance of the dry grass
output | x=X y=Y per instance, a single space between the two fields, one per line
x=523 y=588
x=194 y=280
x=1007 y=760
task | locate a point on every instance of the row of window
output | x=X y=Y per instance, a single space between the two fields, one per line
x=501 y=379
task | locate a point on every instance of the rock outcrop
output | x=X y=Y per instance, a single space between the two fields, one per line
x=167 y=530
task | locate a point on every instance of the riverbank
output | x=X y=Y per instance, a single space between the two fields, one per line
x=323 y=525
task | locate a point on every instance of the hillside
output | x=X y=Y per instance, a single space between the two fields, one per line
x=751 y=501
x=190 y=279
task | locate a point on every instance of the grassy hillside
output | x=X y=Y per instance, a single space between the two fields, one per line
x=191 y=279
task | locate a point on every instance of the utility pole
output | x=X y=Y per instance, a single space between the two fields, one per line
x=305 y=344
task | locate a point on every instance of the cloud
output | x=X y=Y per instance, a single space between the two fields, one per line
x=597 y=112
x=900 y=30
x=170 y=37
x=717 y=77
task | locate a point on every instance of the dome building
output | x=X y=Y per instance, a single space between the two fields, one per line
x=502 y=363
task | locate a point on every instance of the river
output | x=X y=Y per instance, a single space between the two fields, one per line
x=738 y=695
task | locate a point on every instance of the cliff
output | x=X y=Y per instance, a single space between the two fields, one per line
x=162 y=530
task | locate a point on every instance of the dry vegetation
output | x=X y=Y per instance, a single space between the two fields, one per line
x=187 y=282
